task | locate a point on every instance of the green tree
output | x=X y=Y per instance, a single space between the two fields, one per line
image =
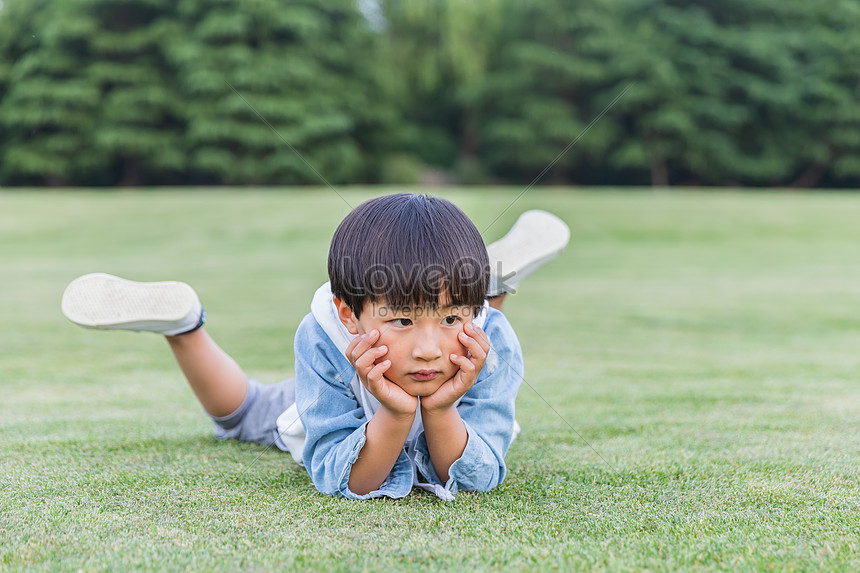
x=716 y=84
x=720 y=92
x=307 y=68
x=759 y=92
x=735 y=92
x=140 y=120
x=440 y=51
x=87 y=99
x=142 y=91
x=829 y=68
x=47 y=107
x=549 y=78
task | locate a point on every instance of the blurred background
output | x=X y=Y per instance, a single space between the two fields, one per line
x=653 y=92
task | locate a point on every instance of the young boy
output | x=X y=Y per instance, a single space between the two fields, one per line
x=405 y=375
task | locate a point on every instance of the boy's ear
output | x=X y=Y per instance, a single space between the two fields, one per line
x=346 y=316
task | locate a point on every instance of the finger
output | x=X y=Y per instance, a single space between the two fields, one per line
x=364 y=342
x=478 y=334
x=366 y=361
x=376 y=376
x=465 y=377
x=467 y=366
x=474 y=346
x=351 y=348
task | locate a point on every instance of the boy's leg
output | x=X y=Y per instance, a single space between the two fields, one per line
x=107 y=302
x=498 y=301
x=216 y=379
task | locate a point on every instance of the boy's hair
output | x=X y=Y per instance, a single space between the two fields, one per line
x=408 y=250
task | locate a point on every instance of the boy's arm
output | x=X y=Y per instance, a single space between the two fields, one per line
x=446 y=438
x=486 y=412
x=385 y=435
x=335 y=423
x=444 y=430
x=388 y=429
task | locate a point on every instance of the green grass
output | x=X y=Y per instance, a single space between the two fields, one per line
x=705 y=345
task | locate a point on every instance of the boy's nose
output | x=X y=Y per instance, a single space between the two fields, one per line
x=427 y=347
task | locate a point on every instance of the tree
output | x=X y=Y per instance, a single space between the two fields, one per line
x=727 y=92
x=549 y=79
x=737 y=92
x=47 y=107
x=307 y=69
x=441 y=51
x=142 y=92
x=88 y=100
x=829 y=60
x=716 y=92
x=140 y=121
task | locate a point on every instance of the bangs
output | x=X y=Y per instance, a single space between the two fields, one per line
x=437 y=272
x=409 y=251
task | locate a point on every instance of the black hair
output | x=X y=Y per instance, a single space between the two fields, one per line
x=410 y=250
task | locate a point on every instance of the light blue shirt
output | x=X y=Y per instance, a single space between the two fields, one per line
x=335 y=408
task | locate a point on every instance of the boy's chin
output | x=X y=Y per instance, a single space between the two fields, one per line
x=420 y=389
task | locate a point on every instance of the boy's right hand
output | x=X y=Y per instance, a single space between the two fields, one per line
x=363 y=356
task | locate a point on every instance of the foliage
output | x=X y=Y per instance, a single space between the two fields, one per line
x=143 y=91
x=303 y=67
x=439 y=52
x=47 y=108
x=758 y=92
x=735 y=91
x=553 y=65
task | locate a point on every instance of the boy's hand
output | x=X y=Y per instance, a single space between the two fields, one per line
x=363 y=356
x=478 y=346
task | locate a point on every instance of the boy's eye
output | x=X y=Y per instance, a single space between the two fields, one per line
x=402 y=321
x=451 y=320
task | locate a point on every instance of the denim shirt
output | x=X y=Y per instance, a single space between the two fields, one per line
x=335 y=408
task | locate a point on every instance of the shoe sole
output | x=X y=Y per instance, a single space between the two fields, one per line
x=109 y=302
x=535 y=238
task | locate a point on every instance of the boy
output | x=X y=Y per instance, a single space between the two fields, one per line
x=405 y=375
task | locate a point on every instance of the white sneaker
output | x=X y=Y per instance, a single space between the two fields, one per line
x=535 y=238
x=107 y=302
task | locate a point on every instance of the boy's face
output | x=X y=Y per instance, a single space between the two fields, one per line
x=420 y=341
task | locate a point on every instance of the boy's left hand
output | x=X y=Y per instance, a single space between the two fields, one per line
x=478 y=346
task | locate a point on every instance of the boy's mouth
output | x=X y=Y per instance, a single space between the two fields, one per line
x=424 y=374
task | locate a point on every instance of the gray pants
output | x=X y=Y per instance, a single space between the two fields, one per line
x=256 y=419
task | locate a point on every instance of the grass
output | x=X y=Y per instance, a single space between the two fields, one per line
x=692 y=397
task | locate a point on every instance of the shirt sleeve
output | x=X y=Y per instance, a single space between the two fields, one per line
x=487 y=410
x=334 y=421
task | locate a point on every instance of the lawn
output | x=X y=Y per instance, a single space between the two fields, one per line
x=691 y=396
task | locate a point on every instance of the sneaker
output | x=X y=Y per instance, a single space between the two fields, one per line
x=107 y=302
x=535 y=238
